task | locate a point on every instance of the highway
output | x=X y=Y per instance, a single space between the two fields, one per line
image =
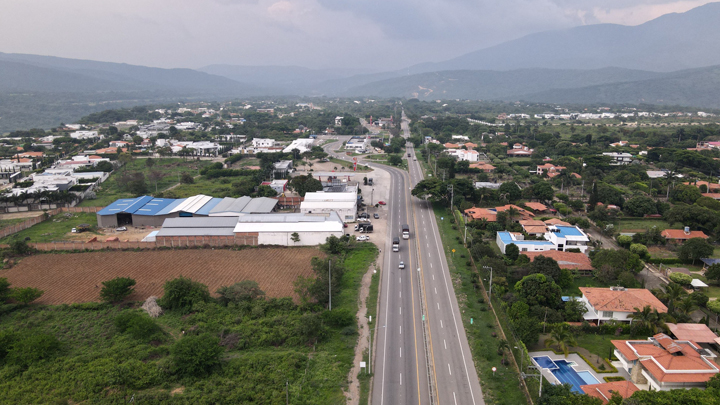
x=421 y=354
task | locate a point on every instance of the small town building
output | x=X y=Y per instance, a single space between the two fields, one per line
x=324 y=203
x=605 y=391
x=681 y=235
x=579 y=263
x=504 y=238
x=617 y=303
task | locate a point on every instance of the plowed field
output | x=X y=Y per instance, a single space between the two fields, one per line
x=72 y=278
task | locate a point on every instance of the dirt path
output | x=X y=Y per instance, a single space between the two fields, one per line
x=23 y=214
x=353 y=392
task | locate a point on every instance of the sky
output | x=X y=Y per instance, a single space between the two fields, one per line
x=353 y=34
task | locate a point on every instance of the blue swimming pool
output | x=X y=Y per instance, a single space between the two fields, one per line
x=564 y=372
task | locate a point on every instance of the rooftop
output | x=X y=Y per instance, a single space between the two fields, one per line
x=566 y=260
x=605 y=391
x=681 y=234
x=697 y=332
x=621 y=299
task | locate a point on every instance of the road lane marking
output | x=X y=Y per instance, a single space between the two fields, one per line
x=433 y=277
x=445 y=343
x=435 y=290
x=449 y=369
x=438 y=306
x=454 y=398
x=400 y=310
x=400 y=378
x=400 y=351
x=441 y=324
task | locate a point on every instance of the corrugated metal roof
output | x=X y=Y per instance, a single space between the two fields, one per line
x=154 y=206
x=321 y=196
x=129 y=205
x=289 y=223
x=260 y=205
x=196 y=232
x=192 y=204
x=200 y=222
x=205 y=210
x=171 y=207
x=231 y=205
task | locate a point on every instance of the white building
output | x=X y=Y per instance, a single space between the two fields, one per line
x=303 y=145
x=619 y=158
x=617 y=303
x=322 y=203
x=505 y=238
x=338 y=121
x=358 y=143
x=461 y=137
x=462 y=154
x=567 y=237
x=85 y=135
x=259 y=143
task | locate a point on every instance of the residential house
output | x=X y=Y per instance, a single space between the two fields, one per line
x=697 y=332
x=482 y=166
x=470 y=145
x=619 y=144
x=664 y=364
x=714 y=196
x=606 y=390
x=577 y=262
x=119 y=144
x=488 y=185
x=617 y=303
x=618 y=159
x=505 y=238
x=534 y=227
x=681 y=235
x=549 y=168
x=463 y=154
x=711 y=187
x=519 y=150
x=278 y=185
x=556 y=221
x=282 y=168
x=537 y=207
x=263 y=143
x=568 y=237
x=451 y=145
x=460 y=137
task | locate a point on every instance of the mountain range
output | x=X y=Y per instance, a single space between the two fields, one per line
x=673 y=59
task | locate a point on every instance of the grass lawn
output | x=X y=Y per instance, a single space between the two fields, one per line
x=55 y=228
x=582 y=282
x=220 y=188
x=502 y=387
x=172 y=168
x=643 y=224
x=4 y=223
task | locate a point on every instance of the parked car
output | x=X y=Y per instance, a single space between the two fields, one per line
x=362 y=238
x=381 y=202
x=376 y=215
x=401 y=265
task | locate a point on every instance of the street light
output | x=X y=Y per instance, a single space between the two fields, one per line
x=491 y=271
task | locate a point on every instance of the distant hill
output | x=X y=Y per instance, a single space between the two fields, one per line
x=52 y=74
x=493 y=85
x=694 y=87
x=668 y=43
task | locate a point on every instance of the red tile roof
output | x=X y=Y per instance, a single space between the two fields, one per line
x=536 y=206
x=566 y=260
x=681 y=235
x=624 y=300
x=697 y=332
x=481 y=213
x=605 y=391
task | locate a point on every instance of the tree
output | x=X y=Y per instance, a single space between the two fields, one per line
x=640 y=206
x=4 y=289
x=196 y=356
x=545 y=265
x=563 y=394
x=713 y=273
x=685 y=193
x=29 y=348
x=714 y=306
x=510 y=190
x=117 y=289
x=138 y=324
x=624 y=240
x=26 y=295
x=124 y=158
x=244 y=291
x=527 y=329
x=19 y=247
x=187 y=178
x=574 y=310
x=536 y=289
x=681 y=278
x=672 y=294
x=432 y=189
x=155 y=176
x=305 y=184
x=640 y=250
x=512 y=251
x=543 y=191
x=615 y=262
x=562 y=337
x=394 y=159
x=694 y=249
x=182 y=293
x=149 y=162
x=295 y=237
x=647 y=318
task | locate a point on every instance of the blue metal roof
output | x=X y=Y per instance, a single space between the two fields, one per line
x=154 y=206
x=710 y=262
x=129 y=205
x=171 y=206
x=205 y=210
x=506 y=238
x=569 y=231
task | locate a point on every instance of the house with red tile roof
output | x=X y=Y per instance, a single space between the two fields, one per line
x=471 y=145
x=533 y=227
x=664 y=364
x=556 y=221
x=710 y=186
x=490 y=214
x=605 y=391
x=681 y=235
x=485 y=167
x=617 y=303
x=451 y=146
x=697 y=332
x=714 y=196
x=577 y=262
x=536 y=207
x=548 y=168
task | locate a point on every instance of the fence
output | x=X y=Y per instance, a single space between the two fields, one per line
x=43 y=217
x=180 y=242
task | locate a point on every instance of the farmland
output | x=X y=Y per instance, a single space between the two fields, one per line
x=73 y=278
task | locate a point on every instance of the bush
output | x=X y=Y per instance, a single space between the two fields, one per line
x=339 y=317
x=244 y=291
x=26 y=295
x=681 y=278
x=187 y=178
x=19 y=247
x=182 y=293
x=196 y=356
x=4 y=289
x=714 y=306
x=117 y=289
x=640 y=250
x=31 y=348
x=138 y=325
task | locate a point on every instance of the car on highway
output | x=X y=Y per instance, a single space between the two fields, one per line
x=376 y=215
x=401 y=265
x=362 y=238
x=381 y=202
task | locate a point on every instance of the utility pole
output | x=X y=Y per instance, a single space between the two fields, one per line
x=491 y=272
x=452 y=196
x=329 y=287
x=287 y=393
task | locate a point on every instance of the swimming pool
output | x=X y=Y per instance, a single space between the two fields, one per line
x=565 y=373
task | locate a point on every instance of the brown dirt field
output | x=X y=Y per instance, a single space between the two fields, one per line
x=73 y=278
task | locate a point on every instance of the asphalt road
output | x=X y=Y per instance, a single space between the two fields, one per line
x=421 y=351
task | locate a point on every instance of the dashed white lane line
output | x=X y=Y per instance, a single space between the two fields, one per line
x=435 y=290
x=445 y=343
x=431 y=266
x=449 y=369
x=400 y=351
x=441 y=324
x=438 y=306
x=400 y=310
x=400 y=378
x=454 y=398
x=433 y=275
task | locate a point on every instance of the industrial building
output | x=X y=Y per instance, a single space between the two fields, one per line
x=252 y=229
x=344 y=204
x=150 y=211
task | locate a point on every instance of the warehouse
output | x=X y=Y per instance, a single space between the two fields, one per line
x=150 y=211
x=344 y=204
x=252 y=229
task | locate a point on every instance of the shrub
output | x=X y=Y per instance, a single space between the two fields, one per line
x=4 y=289
x=339 y=317
x=138 y=325
x=182 y=293
x=714 y=306
x=19 y=247
x=244 y=291
x=196 y=356
x=117 y=289
x=26 y=295
x=31 y=348
x=681 y=278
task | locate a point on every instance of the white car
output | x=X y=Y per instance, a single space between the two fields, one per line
x=362 y=238
x=401 y=265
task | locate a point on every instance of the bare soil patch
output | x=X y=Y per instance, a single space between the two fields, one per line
x=72 y=278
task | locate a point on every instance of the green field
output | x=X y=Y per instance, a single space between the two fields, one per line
x=4 y=223
x=582 y=282
x=644 y=224
x=56 y=228
x=270 y=346
x=171 y=168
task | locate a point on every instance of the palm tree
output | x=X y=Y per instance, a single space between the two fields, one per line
x=648 y=318
x=503 y=345
x=672 y=294
x=686 y=306
x=512 y=213
x=562 y=337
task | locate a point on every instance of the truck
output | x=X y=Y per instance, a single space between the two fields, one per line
x=396 y=244
x=406 y=231
x=364 y=228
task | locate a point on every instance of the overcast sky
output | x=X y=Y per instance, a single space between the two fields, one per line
x=375 y=34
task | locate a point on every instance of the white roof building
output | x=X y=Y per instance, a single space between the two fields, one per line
x=303 y=145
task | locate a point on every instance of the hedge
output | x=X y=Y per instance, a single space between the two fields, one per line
x=659 y=260
x=614 y=378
